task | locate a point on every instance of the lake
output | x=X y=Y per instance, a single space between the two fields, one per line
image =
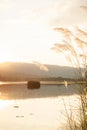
x=41 y=109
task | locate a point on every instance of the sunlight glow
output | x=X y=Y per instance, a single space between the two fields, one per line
x=5 y=103
x=5 y=53
x=1 y=82
x=26 y=28
x=36 y=48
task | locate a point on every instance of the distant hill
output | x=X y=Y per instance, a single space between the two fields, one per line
x=24 y=71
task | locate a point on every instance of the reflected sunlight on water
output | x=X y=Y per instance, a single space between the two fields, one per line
x=1 y=82
x=41 y=109
x=4 y=104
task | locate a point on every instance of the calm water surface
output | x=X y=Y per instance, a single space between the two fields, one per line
x=41 y=109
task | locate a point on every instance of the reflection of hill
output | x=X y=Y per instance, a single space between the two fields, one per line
x=25 y=71
x=20 y=91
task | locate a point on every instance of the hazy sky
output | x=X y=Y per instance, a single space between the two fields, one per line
x=26 y=28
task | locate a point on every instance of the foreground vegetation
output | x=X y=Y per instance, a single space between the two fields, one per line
x=73 y=45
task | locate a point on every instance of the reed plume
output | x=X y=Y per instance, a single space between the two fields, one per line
x=73 y=47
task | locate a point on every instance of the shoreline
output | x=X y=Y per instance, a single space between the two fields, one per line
x=43 y=82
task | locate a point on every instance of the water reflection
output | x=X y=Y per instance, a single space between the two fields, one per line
x=5 y=103
x=37 y=114
x=41 y=109
x=20 y=91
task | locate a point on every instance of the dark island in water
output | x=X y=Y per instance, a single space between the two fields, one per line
x=33 y=85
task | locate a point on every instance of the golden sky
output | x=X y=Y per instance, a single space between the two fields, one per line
x=26 y=28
